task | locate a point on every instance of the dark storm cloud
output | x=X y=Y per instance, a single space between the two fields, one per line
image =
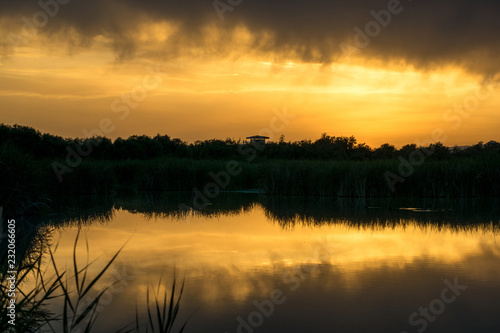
x=424 y=33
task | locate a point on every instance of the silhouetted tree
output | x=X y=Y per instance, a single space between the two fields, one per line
x=385 y=151
x=35 y=144
x=439 y=151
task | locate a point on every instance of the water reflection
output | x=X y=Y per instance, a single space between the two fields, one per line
x=286 y=210
x=337 y=265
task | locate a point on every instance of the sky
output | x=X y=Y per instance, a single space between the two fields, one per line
x=383 y=71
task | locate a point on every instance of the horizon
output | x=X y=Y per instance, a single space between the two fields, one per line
x=271 y=140
x=381 y=71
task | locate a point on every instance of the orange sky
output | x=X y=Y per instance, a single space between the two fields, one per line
x=228 y=89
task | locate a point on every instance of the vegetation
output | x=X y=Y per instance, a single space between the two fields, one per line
x=38 y=169
x=70 y=289
x=46 y=146
x=459 y=177
x=282 y=209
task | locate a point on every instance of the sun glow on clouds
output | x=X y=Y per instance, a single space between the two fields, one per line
x=204 y=91
x=156 y=32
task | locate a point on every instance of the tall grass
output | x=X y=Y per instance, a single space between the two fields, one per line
x=23 y=182
x=433 y=179
x=71 y=289
x=459 y=177
x=161 y=316
x=31 y=311
x=169 y=174
x=74 y=291
x=30 y=184
x=326 y=178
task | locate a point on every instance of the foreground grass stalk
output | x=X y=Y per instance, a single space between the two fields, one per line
x=78 y=314
x=165 y=315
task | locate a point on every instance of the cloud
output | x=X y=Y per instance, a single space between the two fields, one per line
x=424 y=33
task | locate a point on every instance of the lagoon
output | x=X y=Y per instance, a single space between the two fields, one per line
x=254 y=263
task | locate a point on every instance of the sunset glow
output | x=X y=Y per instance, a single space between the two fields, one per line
x=237 y=247
x=250 y=165
x=225 y=81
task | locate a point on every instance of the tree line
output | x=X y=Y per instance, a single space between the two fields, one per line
x=142 y=147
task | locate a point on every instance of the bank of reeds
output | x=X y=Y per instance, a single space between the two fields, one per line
x=32 y=184
x=170 y=174
x=460 y=177
x=432 y=179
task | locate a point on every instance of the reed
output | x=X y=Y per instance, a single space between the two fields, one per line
x=31 y=310
x=434 y=179
x=71 y=289
x=31 y=185
x=162 y=315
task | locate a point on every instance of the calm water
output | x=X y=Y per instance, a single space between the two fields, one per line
x=260 y=264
